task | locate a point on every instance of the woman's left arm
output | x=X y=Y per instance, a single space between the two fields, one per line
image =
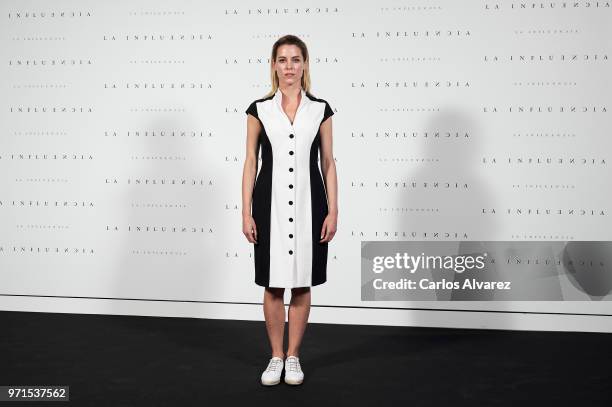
x=328 y=167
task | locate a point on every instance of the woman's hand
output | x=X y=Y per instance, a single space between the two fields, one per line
x=249 y=228
x=329 y=228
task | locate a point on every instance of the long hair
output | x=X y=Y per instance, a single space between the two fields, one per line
x=290 y=40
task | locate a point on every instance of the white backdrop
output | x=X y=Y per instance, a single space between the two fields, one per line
x=123 y=140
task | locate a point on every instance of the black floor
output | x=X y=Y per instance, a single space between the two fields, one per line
x=144 y=361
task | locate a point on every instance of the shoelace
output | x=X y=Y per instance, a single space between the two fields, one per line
x=293 y=365
x=273 y=365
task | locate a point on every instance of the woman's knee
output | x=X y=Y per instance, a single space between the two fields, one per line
x=300 y=290
x=275 y=291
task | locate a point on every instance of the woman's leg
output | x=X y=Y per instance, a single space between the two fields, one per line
x=274 y=312
x=299 y=309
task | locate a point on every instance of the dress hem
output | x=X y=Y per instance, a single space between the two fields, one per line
x=297 y=286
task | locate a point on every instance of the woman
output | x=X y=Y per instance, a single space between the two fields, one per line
x=294 y=206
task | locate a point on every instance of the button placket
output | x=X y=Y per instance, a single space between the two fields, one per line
x=292 y=152
x=292 y=196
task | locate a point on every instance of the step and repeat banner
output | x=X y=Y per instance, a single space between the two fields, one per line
x=461 y=128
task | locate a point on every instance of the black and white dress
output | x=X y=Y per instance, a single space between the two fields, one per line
x=289 y=197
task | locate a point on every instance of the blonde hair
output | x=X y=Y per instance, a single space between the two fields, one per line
x=289 y=40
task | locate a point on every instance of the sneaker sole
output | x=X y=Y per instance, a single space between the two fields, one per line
x=270 y=383
x=293 y=383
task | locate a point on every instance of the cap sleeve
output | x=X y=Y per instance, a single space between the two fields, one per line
x=252 y=110
x=328 y=112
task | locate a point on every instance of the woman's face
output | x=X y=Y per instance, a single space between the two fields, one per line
x=289 y=65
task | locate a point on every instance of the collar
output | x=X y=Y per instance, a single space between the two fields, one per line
x=278 y=97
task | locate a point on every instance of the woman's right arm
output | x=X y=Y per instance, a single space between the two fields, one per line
x=248 y=178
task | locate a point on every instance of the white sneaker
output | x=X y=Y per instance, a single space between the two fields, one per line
x=293 y=370
x=272 y=374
